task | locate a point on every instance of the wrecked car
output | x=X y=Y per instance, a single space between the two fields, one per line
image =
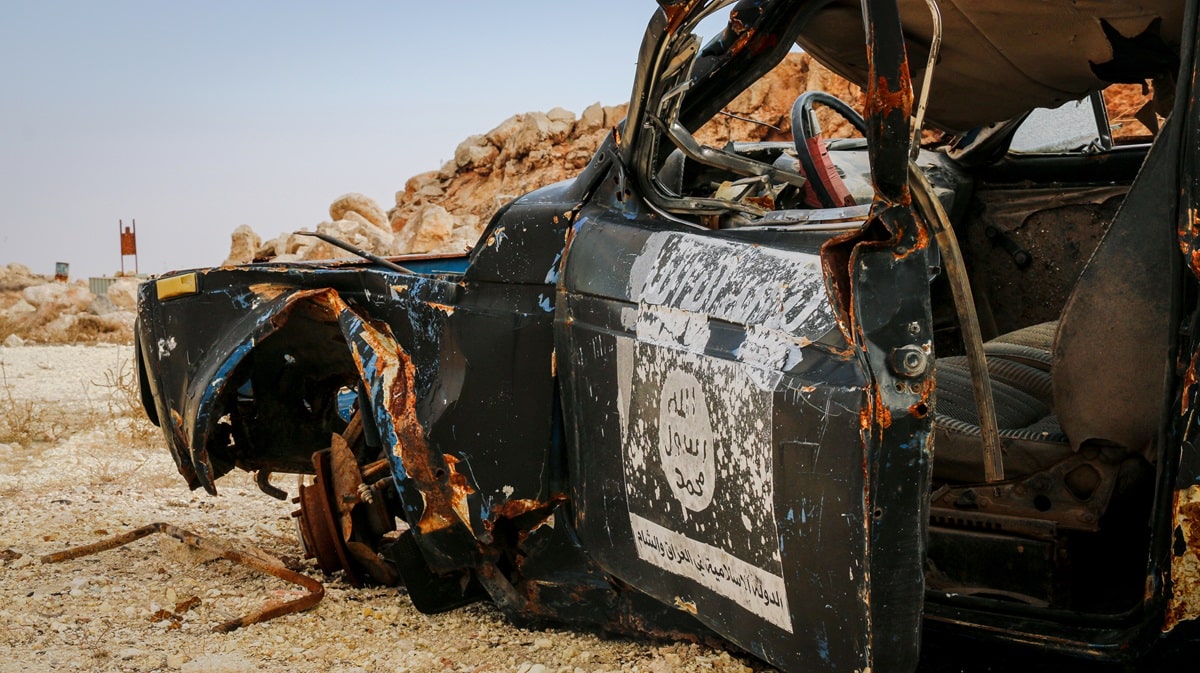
x=818 y=398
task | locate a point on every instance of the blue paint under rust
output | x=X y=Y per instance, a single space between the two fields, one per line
x=373 y=374
x=437 y=266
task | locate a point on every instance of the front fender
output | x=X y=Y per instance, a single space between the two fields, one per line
x=192 y=397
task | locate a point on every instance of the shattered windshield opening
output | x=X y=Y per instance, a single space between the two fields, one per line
x=733 y=168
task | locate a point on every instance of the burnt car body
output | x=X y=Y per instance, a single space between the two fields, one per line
x=761 y=391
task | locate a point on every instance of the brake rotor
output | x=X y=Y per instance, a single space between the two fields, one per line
x=319 y=530
x=338 y=527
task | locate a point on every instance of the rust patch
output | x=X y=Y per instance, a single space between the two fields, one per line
x=177 y=427
x=766 y=201
x=882 y=100
x=412 y=451
x=875 y=412
x=1184 y=603
x=568 y=238
x=922 y=242
x=1189 y=239
x=883 y=415
x=835 y=262
x=270 y=291
x=511 y=509
x=676 y=12
x=921 y=408
x=687 y=606
x=459 y=489
x=1189 y=232
x=181 y=461
x=442 y=488
x=864 y=417
x=1189 y=380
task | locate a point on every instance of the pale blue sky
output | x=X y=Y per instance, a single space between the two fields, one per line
x=195 y=117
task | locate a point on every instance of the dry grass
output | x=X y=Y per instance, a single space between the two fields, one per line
x=27 y=421
x=125 y=405
x=36 y=424
x=91 y=329
x=126 y=423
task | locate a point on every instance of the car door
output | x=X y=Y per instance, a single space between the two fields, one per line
x=713 y=427
x=730 y=452
x=741 y=445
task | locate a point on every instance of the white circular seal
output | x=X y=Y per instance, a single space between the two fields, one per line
x=685 y=441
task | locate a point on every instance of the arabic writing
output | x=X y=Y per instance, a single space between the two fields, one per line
x=685 y=442
x=755 y=589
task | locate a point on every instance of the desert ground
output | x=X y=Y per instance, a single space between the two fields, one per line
x=79 y=462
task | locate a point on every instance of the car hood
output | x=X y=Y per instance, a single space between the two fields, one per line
x=1000 y=59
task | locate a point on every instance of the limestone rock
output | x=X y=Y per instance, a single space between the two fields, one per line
x=447 y=170
x=123 y=292
x=354 y=229
x=418 y=183
x=116 y=321
x=244 y=243
x=481 y=159
x=63 y=296
x=83 y=326
x=430 y=230
x=220 y=662
x=287 y=258
x=508 y=128
x=358 y=203
x=561 y=115
x=434 y=189
x=271 y=249
x=535 y=127
x=465 y=149
x=57 y=329
x=591 y=118
x=13 y=341
x=322 y=250
x=361 y=234
x=286 y=247
x=355 y=220
x=101 y=305
x=20 y=308
x=15 y=277
x=614 y=115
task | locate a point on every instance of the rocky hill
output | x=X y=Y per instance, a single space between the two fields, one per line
x=38 y=309
x=445 y=210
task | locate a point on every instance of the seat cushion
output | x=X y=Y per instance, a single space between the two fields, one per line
x=1030 y=345
x=1031 y=439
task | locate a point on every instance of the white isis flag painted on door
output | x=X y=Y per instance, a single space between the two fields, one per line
x=699 y=476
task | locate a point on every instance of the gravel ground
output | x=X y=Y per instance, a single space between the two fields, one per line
x=78 y=463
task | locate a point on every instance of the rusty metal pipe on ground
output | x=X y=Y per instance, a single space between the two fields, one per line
x=316 y=591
